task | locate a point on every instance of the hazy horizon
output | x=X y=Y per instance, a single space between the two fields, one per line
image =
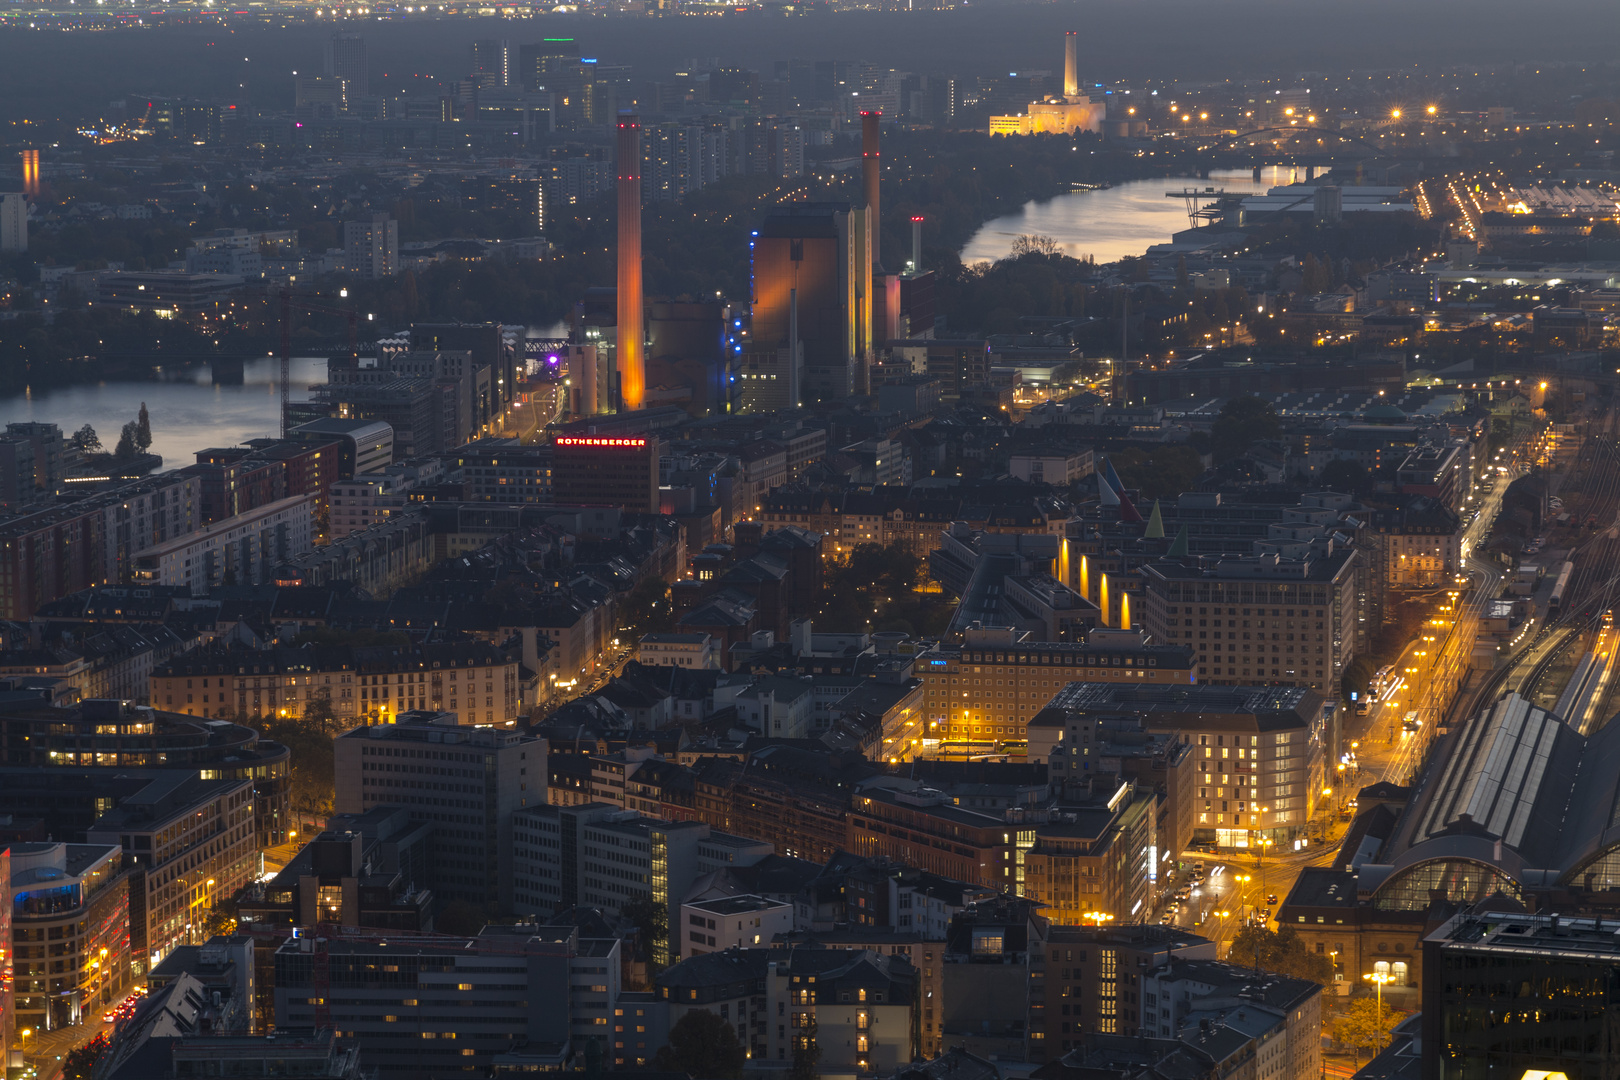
x=1258 y=38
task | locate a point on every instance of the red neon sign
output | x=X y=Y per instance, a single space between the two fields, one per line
x=596 y=440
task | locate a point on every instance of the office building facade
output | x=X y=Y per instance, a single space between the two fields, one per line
x=468 y=783
x=618 y=470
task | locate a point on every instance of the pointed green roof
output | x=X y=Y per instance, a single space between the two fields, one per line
x=1155 y=524
x=1178 y=547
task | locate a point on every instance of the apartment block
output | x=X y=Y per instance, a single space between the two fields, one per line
x=471 y=681
x=1260 y=751
x=419 y=1011
x=1094 y=979
x=986 y=690
x=1259 y=618
x=190 y=843
x=1184 y=994
x=92 y=541
x=244 y=549
x=859 y=1006
x=468 y=783
x=600 y=855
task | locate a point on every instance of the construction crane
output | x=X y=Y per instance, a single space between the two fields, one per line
x=310 y=304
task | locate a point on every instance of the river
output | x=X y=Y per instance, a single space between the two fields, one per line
x=189 y=412
x=1108 y=225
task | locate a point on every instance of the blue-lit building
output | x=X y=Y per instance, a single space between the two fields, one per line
x=69 y=914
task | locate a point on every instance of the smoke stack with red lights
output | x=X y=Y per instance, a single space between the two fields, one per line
x=632 y=325
x=1071 y=64
x=870 y=163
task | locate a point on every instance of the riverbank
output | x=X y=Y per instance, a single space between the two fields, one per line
x=1113 y=223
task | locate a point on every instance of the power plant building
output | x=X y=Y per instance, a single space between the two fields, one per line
x=810 y=262
x=1065 y=115
x=632 y=324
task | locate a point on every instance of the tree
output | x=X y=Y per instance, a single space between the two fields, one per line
x=703 y=1045
x=650 y=918
x=1243 y=422
x=318 y=709
x=646 y=609
x=806 y=1052
x=80 y=1062
x=1034 y=244
x=311 y=766
x=143 y=429
x=221 y=917
x=1163 y=472
x=1282 y=951
x=126 y=443
x=1345 y=475
x=86 y=440
x=1366 y=1025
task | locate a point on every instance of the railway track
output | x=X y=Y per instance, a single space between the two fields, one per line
x=1594 y=584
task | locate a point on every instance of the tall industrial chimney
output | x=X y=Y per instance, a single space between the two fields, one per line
x=870 y=163
x=632 y=330
x=1071 y=64
x=916 y=243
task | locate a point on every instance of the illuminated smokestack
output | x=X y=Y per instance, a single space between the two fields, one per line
x=916 y=244
x=632 y=326
x=869 y=176
x=1071 y=64
x=30 y=173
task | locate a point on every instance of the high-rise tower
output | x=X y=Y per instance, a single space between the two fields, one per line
x=346 y=59
x=493 y=56
x=1071 y=64
x=632 y=331
x=871 y=164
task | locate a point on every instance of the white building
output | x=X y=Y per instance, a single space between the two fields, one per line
x=243 y=549
x=678 y=650
x=1051 y=468
x=746 y=922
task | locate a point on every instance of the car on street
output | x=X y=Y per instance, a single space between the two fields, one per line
x=1271 y=899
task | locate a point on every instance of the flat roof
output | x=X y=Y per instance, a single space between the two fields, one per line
x=737 y=905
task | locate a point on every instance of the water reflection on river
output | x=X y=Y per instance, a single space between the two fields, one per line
x=190 y=412
x=1110 y=224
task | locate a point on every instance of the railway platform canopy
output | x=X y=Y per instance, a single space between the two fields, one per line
x=1516 y=800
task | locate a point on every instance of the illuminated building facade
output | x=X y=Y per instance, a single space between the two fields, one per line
x=632 y=323
x=618 y=470
x=1288 y=622
x=985 y=693
x=109 y=737
x=475 y=682
x=190 y=841
x=69 y=912
x=8 y=1015
x=810 y=263
x=1070 y=114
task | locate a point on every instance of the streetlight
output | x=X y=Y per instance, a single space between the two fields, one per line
x=1378 y=979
